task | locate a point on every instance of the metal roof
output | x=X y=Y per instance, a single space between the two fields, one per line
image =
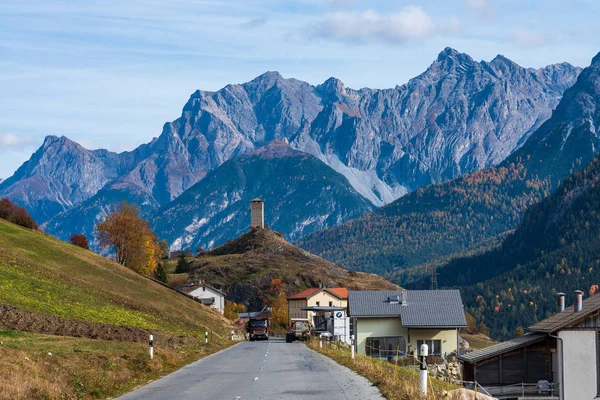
x=423 y=309
x=568 y=317
x=501 y=348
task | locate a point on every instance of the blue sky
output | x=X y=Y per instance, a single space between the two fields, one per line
x=109 y=73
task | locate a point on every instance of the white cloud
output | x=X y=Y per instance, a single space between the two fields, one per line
x=411 y=23
x=482 y=7
x=528 y=38
x=11 y=141
x=476 y=4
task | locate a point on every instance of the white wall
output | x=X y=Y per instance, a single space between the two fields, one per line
x=579 y=364
x=205 y=292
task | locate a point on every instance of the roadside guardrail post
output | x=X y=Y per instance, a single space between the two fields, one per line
x=206 y=337
x=151 y=346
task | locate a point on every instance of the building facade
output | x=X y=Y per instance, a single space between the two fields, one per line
x=209 y=296
x=393 y=324
x=315 y=297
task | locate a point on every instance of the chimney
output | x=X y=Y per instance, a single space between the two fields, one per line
x=404 y=298
x=561 y=301
x=257 y=213
x=578 y=301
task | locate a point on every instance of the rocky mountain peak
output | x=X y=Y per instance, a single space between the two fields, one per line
x=596 y=59
x=55 y=141
x=447 y=53
x=333 y=85
x=269 y=78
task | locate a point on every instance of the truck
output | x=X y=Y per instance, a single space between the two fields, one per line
x=258 y=328
x=299 y=330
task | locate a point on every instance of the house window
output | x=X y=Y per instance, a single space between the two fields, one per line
x=331 y=304
x=435 y=347
x=390 y=346
x=318 y=303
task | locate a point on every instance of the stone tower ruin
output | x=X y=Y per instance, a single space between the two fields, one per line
x=257 y=213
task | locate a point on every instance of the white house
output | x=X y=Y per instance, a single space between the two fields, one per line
x=209 y=296
x=395 y=323
x=559 y=357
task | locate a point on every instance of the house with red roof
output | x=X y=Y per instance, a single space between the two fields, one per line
x=325 y=309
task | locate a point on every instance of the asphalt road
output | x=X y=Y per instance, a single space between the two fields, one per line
x=265 y=370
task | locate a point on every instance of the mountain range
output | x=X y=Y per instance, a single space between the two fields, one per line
x=444 y=220
x=457 y=117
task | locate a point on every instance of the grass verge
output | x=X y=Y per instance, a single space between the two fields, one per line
x=35 y=366
x=394 y=382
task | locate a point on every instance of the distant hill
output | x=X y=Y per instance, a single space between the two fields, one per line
x=247 y=265
x=49 y=286
x=446 y=219
x=555 y=249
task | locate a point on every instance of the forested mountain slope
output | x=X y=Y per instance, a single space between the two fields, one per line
x=555 y=249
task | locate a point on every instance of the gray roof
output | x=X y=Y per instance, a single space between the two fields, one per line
x=568 y=317
x=501 y=348
x=424 y=308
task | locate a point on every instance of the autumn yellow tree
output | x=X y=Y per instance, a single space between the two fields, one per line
x=135 y=245
x=232 y=309
x=276 y=298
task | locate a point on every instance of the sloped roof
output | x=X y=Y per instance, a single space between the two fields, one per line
x=304 y=294
x=341 y=293
x=568 y=317
x=501 y=348
x=424 y=308
x=191 y=288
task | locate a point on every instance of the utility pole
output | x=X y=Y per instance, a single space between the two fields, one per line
x=434 y=274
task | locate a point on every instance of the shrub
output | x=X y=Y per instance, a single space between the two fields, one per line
x=17 y=215
x=79 y=240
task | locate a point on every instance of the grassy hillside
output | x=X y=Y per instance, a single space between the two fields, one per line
x=247 y=265
x=48 y=286
x=41 y=274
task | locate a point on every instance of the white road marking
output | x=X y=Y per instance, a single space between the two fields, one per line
x=262 y=368
x=256 y=378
